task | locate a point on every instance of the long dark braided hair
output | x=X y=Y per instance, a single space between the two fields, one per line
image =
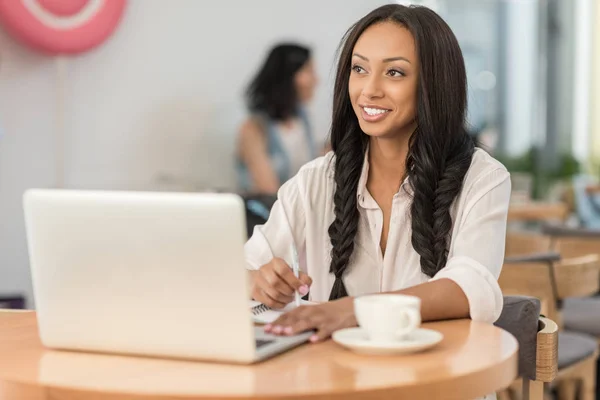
x=440 y=150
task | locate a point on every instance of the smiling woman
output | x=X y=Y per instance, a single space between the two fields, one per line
x=407 y=201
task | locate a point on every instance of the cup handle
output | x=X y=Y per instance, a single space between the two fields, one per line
x=414 y=320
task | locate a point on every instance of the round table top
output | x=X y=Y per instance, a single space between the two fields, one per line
x=473 y=359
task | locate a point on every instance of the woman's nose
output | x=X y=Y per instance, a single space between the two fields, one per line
x=372 y=88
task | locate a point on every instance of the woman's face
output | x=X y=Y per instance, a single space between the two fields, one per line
x=306 y=81
x=383 y=80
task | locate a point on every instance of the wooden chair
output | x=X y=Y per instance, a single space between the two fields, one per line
x=531 y=277
x=581 y=312
x=577 y=278
x=546 y=360
x=538 y=345
x=577 y=353
x=572 y=242
x=526 y=243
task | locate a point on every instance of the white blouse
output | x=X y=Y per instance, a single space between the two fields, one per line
x=304 y=211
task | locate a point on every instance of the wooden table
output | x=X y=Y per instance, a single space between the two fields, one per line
x=537 y=211
x=474 y=359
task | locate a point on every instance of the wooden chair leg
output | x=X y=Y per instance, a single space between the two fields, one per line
x=567 y=389
x=587 y=389
x=504 y=395
x=533 y=390
x=516 y=389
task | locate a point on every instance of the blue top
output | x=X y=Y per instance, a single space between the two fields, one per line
x=277 y=153
x=588 y=205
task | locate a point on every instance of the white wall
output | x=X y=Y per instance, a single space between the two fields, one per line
x=595 y=94
x=161 y=98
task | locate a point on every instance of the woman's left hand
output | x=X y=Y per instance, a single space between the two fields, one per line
x=324 y=318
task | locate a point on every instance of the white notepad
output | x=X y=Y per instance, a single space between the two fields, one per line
x=265 y=315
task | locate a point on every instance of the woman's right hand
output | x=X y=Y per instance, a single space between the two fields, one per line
x=274 y=284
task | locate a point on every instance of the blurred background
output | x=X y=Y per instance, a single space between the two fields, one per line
x=159 y=103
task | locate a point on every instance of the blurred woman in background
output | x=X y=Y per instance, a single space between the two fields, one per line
x=276 y=139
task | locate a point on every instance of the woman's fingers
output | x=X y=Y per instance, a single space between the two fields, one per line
x=324 y=319
x=322 y=333
x=298 y=320
x=275 y=298
x=285 y=281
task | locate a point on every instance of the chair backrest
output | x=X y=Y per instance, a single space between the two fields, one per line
x=546 y=350
x=573 y=242
x=577 y=277
x=550 y=279
x=538 y=343
x=522 y=243
x=571 y=246
x=578 y=272
x=519 y=317
x=531 y=278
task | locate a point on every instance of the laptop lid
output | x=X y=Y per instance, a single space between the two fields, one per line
x=143 y=273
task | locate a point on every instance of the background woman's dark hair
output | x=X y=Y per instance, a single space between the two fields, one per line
x=272 y=91
x=440 y=150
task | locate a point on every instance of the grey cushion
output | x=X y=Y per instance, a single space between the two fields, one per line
x=582 y=315
x=534 y=257
x=520 y=318
x=574 y=347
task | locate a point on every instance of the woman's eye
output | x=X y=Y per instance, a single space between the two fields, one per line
x=395 y=73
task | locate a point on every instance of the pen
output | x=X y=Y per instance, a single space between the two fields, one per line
x=295 y=268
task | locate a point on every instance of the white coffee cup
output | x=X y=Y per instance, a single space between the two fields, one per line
x=388 y=317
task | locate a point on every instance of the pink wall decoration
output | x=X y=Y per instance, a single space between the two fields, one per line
x=61 y=26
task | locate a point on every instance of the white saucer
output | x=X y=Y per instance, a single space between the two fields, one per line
x=356 y=339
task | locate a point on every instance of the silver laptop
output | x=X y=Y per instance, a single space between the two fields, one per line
x=154 y=274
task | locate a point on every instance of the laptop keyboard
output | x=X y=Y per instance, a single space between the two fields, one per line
x=261 y=342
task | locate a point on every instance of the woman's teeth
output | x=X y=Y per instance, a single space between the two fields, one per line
x=374 y=111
